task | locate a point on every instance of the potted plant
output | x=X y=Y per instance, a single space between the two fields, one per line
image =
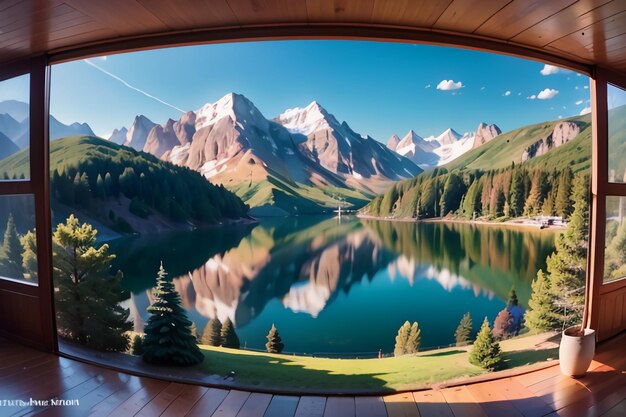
x=578 y=345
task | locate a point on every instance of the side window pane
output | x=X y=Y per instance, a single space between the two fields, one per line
x=615 y=253
x=14 y=128
x=18 y=253
x=617 y=134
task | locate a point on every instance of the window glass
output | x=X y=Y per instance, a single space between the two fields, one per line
x=14 y=128
x=617 y=133
x=18 y=252
x=615 y=253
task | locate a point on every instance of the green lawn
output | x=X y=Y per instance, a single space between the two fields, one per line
x=305 y=374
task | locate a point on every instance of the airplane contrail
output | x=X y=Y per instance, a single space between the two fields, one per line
x=88 y=62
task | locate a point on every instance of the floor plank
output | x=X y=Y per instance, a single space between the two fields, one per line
x=208 y=403
x=370 y=407
x=401 y=405
x=159 y=404
x=432 y=403
x=340 y=407
x=493 y=403
x=282 y=406
x=255 y=405
x=185 y=402
x=462 y=403
x=311 y=406
x=618 y=411
x=521 y=398
x=139 y=399
x=231 y=404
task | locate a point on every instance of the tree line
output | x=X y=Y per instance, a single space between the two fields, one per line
x=177 y=193
x=514 y=191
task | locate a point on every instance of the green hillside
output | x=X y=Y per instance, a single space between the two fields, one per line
x=492 y=182
x=128 y=191
x=508 y=147
x=617 y=142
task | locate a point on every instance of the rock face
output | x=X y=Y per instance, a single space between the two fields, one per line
x=119 y=136
x=361 y=162
x=562 y=133
x=138 y=132
x=448 y=137
x=485 y=133
x=393 y=141
x=163 y=138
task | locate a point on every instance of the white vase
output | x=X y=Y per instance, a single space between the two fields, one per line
x=576 y=352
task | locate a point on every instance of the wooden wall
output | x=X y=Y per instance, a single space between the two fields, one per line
x=612 y=314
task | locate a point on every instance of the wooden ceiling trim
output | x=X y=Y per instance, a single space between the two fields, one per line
x=593 y=35
x=197 y=13
x=415 y=13
x=468 y=15
x=25 y=12
x=122 y=16
x=255 y=11
x=578 y=16
x=324 y=11
x=507 y=23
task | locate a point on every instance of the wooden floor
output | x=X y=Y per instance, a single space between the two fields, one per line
x=26 y=373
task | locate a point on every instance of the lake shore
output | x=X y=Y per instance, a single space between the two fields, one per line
x=515 y=223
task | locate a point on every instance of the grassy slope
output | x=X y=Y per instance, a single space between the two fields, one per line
x=508 y=147
x=388 y=374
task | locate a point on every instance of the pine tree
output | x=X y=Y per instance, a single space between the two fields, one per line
x=29 y=255
x=274 y=342
x=137 y=346
x=541 y=316
x=512 y=298
x=503 y=325
x=11 y=252
x=168 y=337
x=88 y=297
x=408 y=339
x=516 y=193
x=194 y=332
x=229 y=336
x=486 y=350
x=563 y=203
x=463 y=330
x=212 y=334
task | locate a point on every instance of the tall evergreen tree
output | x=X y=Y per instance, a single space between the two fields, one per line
x=88 y=297
x=541 y=315
x=136 y=347
x=168 y=337
x=11 y=252
x=29 y=255
x=212 y=334
x=512 y=298
x=563 y=203
x=517 y=197
x=464 y=330
x=229 y=336
x=274 y=342
x=486 y=350
x=408 y=339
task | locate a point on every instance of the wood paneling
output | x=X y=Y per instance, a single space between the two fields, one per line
x=31 y=27
x=20 y=317
x=612 y=318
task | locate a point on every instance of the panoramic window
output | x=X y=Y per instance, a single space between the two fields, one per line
x=362 y=220
x=617 y=133
x=14 y=128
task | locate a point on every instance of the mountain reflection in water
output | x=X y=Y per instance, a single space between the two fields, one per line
x=337 y=285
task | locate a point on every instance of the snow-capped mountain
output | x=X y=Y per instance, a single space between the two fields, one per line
x=453 y=150
x=415 y=148
x=363 y=162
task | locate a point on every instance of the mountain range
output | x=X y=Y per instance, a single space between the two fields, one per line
x=302 y=161
x=440 y=150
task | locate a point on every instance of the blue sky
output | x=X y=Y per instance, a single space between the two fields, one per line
x=378 y=88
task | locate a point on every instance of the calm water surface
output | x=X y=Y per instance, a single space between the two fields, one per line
x=337 y=286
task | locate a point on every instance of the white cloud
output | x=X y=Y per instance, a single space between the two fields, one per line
x=560 y=117
x=483 y=87
x=586 y=87
x=550 y=69
x=564 y=107
x=586 y=110
x=547 y=93
x=579 y=102
x=449 y=85
x=519 y=94
x=576 y=87
x=427 y=86
x=507 y=93
x=531 y=97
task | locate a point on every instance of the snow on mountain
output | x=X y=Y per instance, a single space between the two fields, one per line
x=450 y=152
x=418 y=150
x=448 y=137
x=363 y=162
